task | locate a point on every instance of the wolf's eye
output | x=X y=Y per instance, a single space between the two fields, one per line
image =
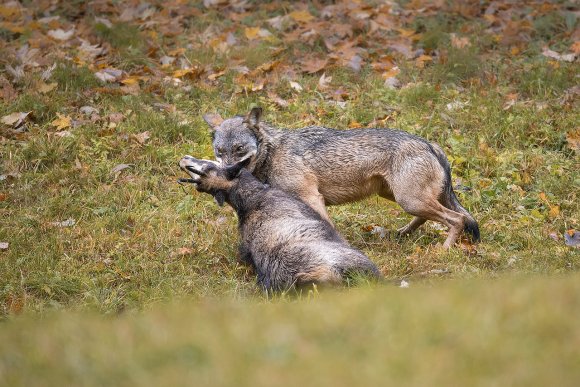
x=239 y=149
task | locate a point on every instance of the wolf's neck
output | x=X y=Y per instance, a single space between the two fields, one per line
x=246 y=195
x=268 y=144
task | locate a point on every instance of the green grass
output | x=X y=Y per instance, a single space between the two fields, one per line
x=94 y=295
x=515 y=331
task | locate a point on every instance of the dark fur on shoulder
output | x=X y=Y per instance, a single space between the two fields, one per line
x=288 y=243
x=326 y=166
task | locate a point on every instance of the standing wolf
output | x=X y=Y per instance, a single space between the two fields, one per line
x=326 y=166
x=286 y=241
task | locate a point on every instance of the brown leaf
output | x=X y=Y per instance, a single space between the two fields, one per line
x=313 y=65
x=277 y=100
x=573 y=139
x=15 y=119
x=184 y=251
x=142 y=137
x=458 y=42
x=7 y=92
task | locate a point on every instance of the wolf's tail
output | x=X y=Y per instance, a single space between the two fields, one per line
x=449 y=199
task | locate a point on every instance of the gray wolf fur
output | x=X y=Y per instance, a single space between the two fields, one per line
x=325 y=166
x=286 y=241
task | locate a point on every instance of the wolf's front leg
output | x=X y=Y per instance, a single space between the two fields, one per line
x=316 y=201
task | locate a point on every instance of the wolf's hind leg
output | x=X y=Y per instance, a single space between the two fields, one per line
x=412 y=226
x=433 y=210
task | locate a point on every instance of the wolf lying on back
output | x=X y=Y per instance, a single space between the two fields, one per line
x=327 y=166
x=286 y=241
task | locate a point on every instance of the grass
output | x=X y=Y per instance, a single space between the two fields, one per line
x=515 y=331
x=146 y=287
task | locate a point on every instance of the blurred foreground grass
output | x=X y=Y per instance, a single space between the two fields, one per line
x=508 y=332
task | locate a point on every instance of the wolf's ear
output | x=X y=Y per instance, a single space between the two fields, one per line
x=252 y=119
x=233 y=171
x=220 y=198
x=213 y=120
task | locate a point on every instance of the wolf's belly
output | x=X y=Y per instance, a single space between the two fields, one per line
x=346 y=191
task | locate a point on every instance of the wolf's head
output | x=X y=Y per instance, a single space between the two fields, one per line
x=209 y=177
x=237 y=138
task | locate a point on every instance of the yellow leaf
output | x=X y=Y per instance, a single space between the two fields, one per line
x=301 y=16
x=554 y=211
x=252 y=32
x=130 y=80
x=214 y=76
x=405 y=33
x=47 y=87
x=61 y=122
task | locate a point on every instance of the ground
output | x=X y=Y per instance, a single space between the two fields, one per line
x=100 y=100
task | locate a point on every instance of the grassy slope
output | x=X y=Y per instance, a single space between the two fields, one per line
x=124 y=253
x=518 y=332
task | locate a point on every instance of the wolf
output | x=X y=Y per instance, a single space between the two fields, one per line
x=285 y=240
x=324 y=166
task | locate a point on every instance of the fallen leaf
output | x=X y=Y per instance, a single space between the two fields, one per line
x=61 y=122
x=116 y=117
x=109 y=75
x=422 y=59
x=277 y=100
x=458 y=42
x=561 y=57
x=313 y=65
x=118 y=168
x=63 y=133
x=296 y=86
x=104 y=21
x=60 y=34
x=455 y=105
x=166 y=60
x=573 y=139
x=15 y=119
x=47 y=87
x=184 y=251
x=131 y=89
x=355 y=63
x=3 y=197
x=253 y=33
x=88 y=110
x=142 y=137
x=572 y=238
x=301 y=16
x=4 y=245
x=324 y=82
x=65 y=223
x=7 y=92
x=214 y=76
x=554 y=211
